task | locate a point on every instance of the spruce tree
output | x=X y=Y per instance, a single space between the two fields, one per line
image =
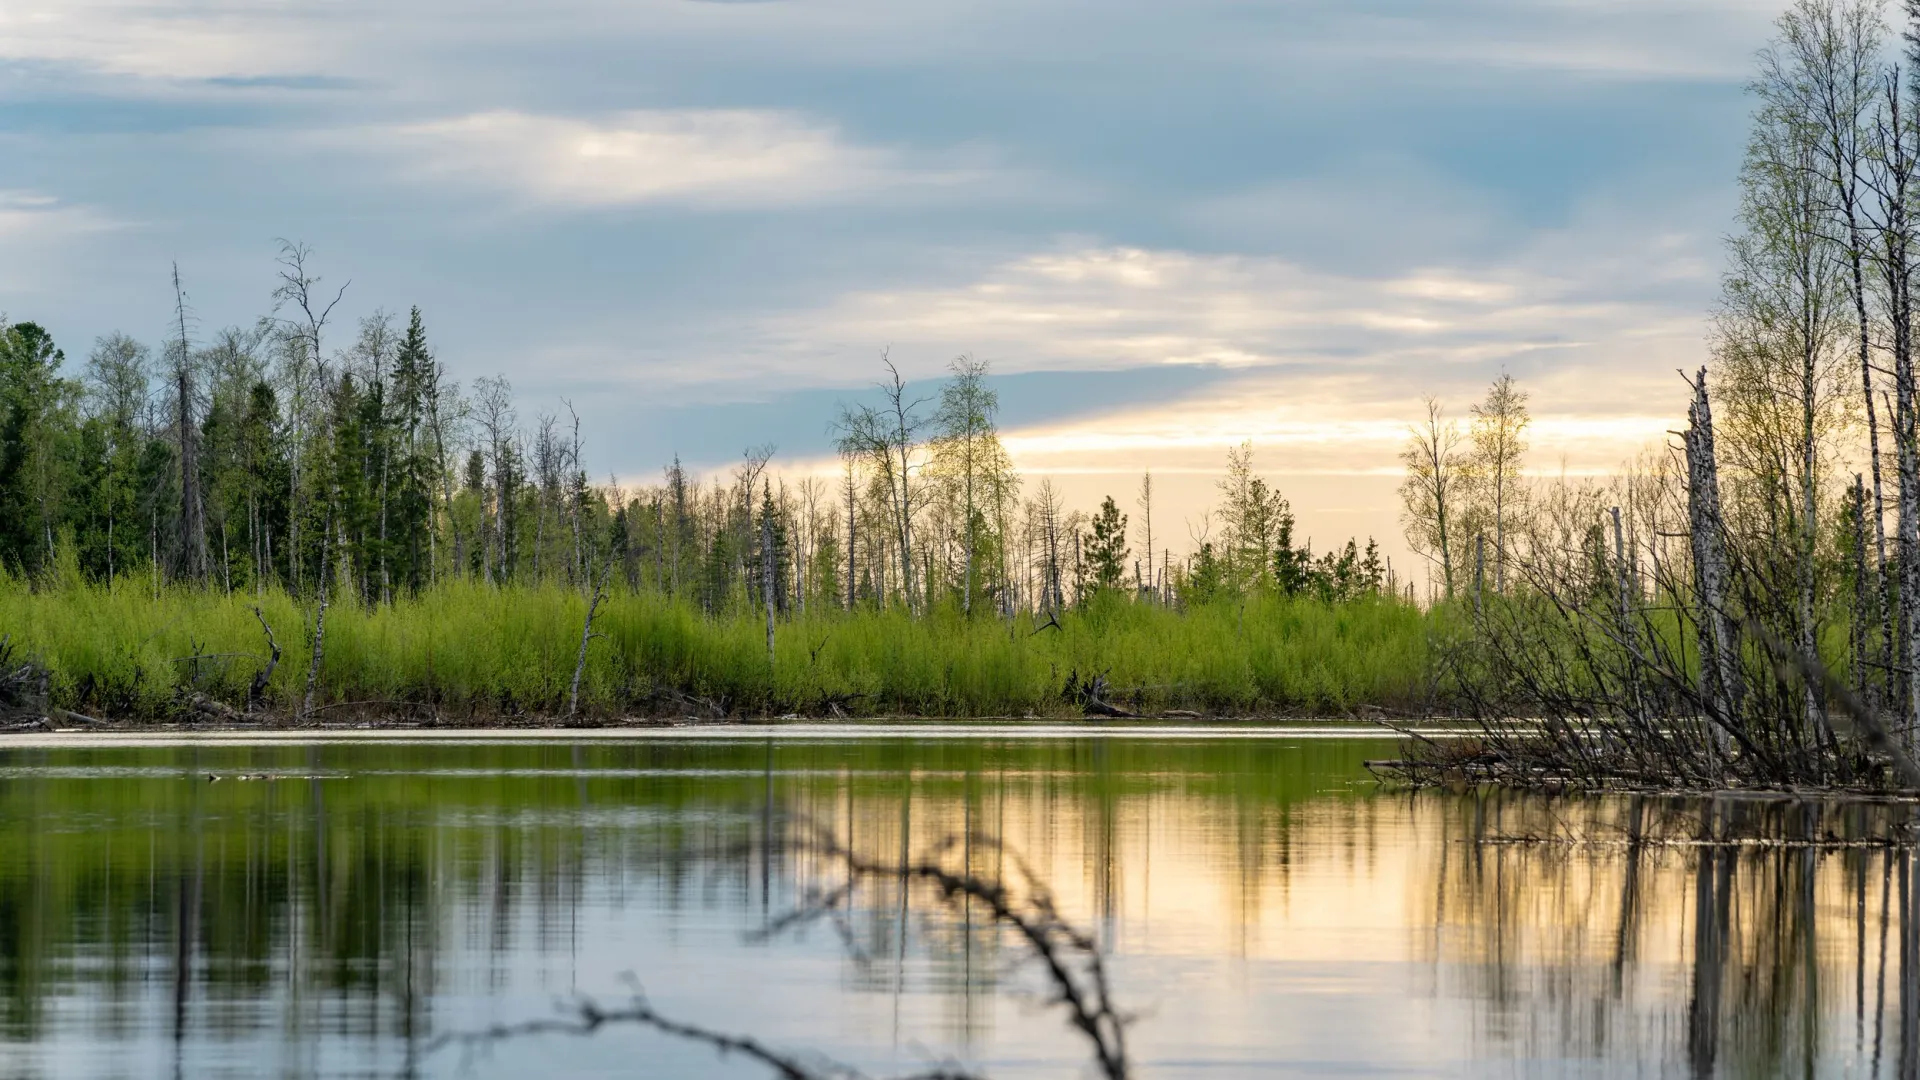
x=34 y=455
x=1106 y=548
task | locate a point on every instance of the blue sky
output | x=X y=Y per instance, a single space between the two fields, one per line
x=1168 y=226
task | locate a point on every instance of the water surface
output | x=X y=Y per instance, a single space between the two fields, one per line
x=1266 y=909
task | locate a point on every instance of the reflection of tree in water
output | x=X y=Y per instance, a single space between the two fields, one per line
x=1740 y=936
x=355 y=894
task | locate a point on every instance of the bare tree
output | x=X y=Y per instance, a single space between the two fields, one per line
x=1779 y=339
x=1499 y=444
x=1430 y=495
x=300 y=288
x=193 y=523
x=888 y=438
x=494 y=411
x=1145 y=503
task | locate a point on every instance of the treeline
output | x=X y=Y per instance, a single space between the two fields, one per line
x=286 y=456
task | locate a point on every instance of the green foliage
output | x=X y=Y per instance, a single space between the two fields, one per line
x=1107 y=546
x=467 y=649
x=35 y=443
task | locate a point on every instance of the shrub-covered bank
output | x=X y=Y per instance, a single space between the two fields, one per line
x=472 y=651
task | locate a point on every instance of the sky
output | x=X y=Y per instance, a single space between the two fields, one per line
x=1168 y=228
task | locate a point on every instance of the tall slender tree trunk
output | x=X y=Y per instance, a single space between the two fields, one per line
x=766 y=579
x=319 y=627
x=853 y=535
x=1500 y=529
x=1809 y=530
x=1719 y=638
x=193 y=536
x=966 y=600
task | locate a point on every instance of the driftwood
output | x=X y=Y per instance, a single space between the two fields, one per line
x=1091 y=696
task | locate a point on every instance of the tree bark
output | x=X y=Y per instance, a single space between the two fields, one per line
x=586 y=635
x=1719 y=638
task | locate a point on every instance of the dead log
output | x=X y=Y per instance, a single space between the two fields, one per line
x=24 y=684
x=1096 y=704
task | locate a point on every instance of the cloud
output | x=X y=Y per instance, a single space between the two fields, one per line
x=712 y=157
x=36 y=232
x=148 y=39
x=284 y=82
x=1095 y=308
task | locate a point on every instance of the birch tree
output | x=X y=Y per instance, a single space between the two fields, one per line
x=1780 y=339
x=888 y=439
x=1499 y=445
x=1430 y=496
x=972 y=469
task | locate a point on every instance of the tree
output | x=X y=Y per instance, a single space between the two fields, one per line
x=1106 y=546
x=1251 y=514
x=1780 y=340
x=493 y=404
x=888 y=439
x=1145 y=502
x=193 y=524
x=415 y=386
x=116 y=398
x=304 y=373
x=973 y=471
x=1430 y=494
x=1292 y=566
x=1498 y=434
x=35 y=422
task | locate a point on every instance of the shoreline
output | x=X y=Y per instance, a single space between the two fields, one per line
x=794 y=731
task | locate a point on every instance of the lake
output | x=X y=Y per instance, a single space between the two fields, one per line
x=326 y=908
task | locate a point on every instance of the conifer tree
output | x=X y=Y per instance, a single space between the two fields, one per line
x=1106 y=546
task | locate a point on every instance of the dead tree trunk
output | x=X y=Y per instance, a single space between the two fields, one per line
x=586 y=635
x=193 y=537
x=257 y=693
x=319 y=627
x=766 y=579
x=1720 y=686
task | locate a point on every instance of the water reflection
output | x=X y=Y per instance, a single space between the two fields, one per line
x=1263 y=904
x=1729 y=937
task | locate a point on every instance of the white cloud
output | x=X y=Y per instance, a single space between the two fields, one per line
x=1102 y=308
x=699 y=156
x=164 y=39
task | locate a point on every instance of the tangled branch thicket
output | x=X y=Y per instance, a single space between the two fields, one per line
x=1746 y=612
x=1702 y=667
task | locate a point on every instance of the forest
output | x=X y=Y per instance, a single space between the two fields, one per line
x=278 y=488
x=284 y=521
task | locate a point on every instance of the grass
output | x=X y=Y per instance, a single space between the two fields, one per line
x=472 y=650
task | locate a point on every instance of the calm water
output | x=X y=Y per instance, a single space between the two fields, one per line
x=1265 y=908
